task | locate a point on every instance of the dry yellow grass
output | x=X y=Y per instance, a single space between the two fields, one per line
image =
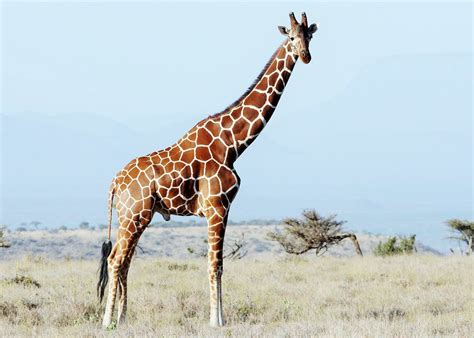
x=377 y=297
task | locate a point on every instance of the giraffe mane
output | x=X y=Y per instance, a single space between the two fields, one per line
x=250 y=88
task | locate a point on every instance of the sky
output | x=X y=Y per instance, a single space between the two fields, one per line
x=377 y=128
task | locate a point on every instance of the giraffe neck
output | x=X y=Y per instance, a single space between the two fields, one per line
x=249 y=115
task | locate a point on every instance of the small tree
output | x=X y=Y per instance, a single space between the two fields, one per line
x=84 y=225
x=391 y=247
x=35 y=224
x=312 y=232
x=464 y=232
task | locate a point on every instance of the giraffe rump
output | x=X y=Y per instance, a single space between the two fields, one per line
x=103 y=273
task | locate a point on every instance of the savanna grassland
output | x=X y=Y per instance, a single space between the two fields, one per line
x=418 y=295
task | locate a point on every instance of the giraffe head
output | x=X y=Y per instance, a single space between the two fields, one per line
x=300 y=34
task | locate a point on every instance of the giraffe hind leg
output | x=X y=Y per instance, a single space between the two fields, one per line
x=113 y=285
x=122 y=306
x=118 y=266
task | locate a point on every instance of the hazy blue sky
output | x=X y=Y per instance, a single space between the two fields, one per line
x=378 y=128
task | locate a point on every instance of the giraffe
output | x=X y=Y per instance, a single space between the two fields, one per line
x=196 y=175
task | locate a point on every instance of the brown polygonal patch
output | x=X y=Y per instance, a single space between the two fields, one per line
x=163 y=191
x=179 y=165
x=187 y=156
x=185 y=171
x=165 y=181
x=142 y=179
x=134 y=188
x=204 y=137
x=256 y=127
x=219 y=150
x=273 y=78
x=272 y=68
x=133 y=171
x=204 y=187
x=215 y=185
x=203 y=153
x=213 y=127
x=172 y=192
x=143 y=163
x=262 y=84
x=175 y=153
x=186 y=188
x=127 y=179
x=280 y=85
x=210 y=168
x=186 y=144
x=256 y=99
x=250 y=114
x=192 y=137
x=226 y=121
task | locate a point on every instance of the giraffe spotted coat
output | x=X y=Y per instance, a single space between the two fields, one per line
x=196 y=175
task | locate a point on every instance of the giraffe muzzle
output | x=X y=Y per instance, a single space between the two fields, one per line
x=305 y=56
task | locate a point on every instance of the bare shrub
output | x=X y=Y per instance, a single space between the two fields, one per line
x=182 y=267
x=389 y=314
x=236 y=249
x=9 y=311
x=24 y=313
x=26 y=281
x=312 y=232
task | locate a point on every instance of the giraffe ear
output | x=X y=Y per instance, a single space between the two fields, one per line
x=283 y=30
x=313 y=28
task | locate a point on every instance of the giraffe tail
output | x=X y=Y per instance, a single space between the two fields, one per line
x=106 y=250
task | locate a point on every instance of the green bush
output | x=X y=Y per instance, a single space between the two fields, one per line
x=396 y=246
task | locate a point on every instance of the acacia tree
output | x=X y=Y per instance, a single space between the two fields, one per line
x=312 y=232
x=464 y=232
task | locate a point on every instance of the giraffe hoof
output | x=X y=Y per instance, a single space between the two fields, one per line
x=216 y=322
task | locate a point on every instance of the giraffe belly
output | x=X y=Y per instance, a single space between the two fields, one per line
x=178 y=198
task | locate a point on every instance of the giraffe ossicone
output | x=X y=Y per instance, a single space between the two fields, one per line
x=196 y=175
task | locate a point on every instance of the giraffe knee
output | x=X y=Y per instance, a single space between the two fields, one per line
x=216 y=268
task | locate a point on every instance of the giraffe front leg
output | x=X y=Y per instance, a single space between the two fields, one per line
x=216 y=230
